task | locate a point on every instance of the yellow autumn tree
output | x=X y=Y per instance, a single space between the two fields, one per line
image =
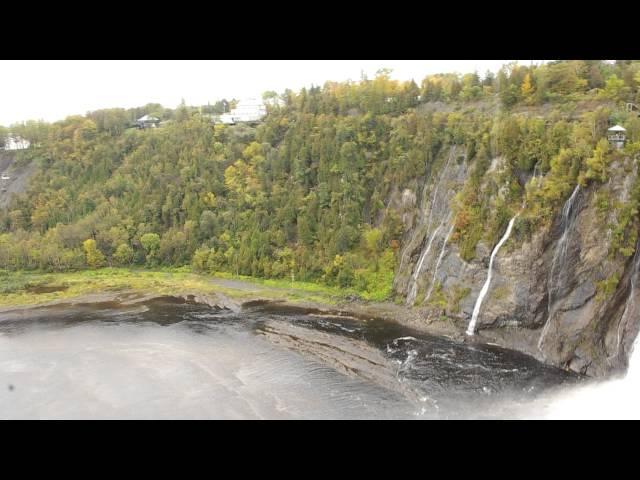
x=240 y=179
x=598 y=163
x=209 y=199
x=527 y=89
x=95 y=258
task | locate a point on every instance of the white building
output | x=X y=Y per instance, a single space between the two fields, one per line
x=16 y=143
x=227 y=119
x=248 y=110
x=147 y=122
x=617 y=136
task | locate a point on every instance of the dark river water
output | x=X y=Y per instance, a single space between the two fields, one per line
x=173 y=359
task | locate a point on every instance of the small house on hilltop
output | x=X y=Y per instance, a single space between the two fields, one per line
x=250 y=110
x=147 y=122
x=617 y=136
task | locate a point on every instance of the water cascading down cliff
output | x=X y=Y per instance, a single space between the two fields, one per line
x=433 y=227
x=630 y=312
x=439 y=261
x=545 y=295
x=557 y=281
x=413 y=288
x=485 y=288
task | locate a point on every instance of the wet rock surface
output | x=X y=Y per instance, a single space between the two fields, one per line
x=18 y=176
x=543 y=298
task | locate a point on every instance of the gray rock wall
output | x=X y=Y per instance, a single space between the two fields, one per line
x=580 y=330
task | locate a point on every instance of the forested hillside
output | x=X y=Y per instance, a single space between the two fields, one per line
x=322 y=189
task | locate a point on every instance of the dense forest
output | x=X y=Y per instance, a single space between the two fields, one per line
x=305 y=194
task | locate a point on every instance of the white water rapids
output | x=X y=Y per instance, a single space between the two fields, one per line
x=617 y=399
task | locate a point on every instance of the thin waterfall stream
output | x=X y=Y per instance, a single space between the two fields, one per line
x=630 y=305
x=414 y=284
x=440 y=257
x=485 y=288
x=559 y=258
x=431 y=204
x=413 y=288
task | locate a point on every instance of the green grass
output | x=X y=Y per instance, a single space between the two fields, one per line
x=14 y=285
x=383 y=280
x=15 y=282
x=295 y=290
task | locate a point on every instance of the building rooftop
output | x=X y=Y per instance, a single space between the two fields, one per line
x=148 y=118
x=617 y=128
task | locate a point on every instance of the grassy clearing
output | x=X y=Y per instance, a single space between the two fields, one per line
x=19 y=288
x=383 y=279
x=295 y=287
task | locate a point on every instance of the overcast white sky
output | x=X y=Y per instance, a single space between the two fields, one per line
x=52 y=89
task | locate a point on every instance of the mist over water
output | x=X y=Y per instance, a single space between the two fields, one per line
x=167 y=359
x=193 y=368
x=615 y=399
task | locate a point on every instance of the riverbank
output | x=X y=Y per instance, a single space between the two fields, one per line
x=25 y=290
x=163 y=357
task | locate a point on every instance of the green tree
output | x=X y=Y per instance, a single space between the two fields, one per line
x=123 y=255
x=615 y=88
x=151 y=244
x=182 y=112
x=595 y=77
x=200 y=259
x=598 y=163
x=373 y=240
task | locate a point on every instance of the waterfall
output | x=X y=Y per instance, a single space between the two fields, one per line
x=633 y=372
x=558 y=257
x=414 y=279
x=440 y=257
x=630 y=305
x=452 y=153
x=537 y=176
x=413 y=289
x=615 y=399
x=431 y=205
x=485 y=287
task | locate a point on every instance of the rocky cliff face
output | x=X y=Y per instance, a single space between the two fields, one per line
x=18 y=176
x=430 y=226
x=544 y=297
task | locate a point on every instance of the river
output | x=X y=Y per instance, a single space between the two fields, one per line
x=167 y=358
